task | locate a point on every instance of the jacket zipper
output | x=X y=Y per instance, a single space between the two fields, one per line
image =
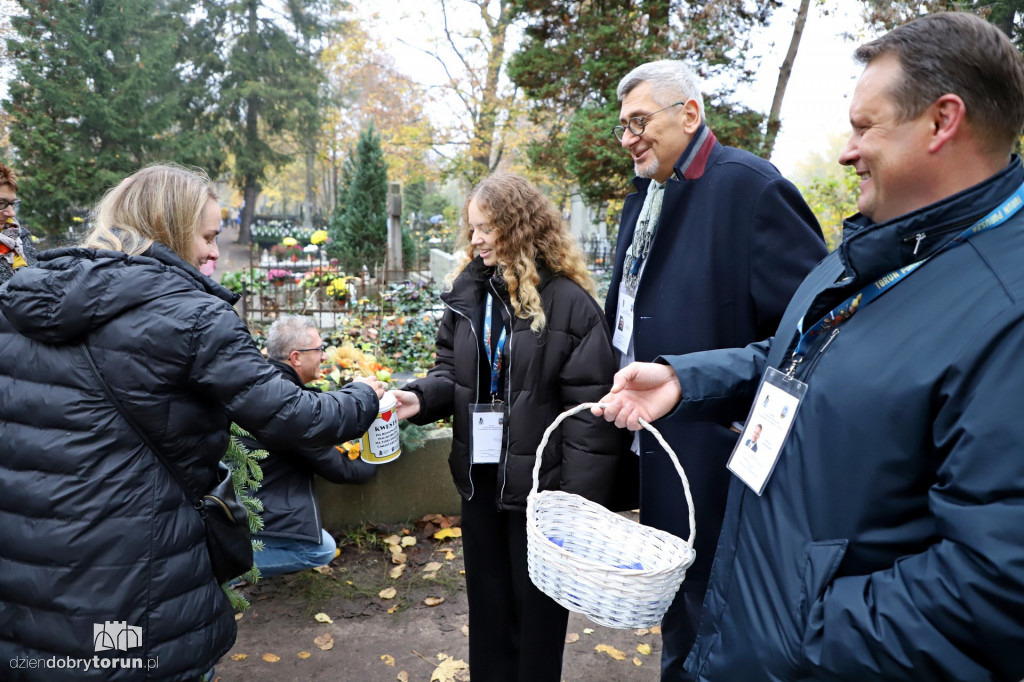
x=476 y=389
x=508 y=395
x=919 y=237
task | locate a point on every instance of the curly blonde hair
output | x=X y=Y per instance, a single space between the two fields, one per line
x=162 y=202
x=529 y=229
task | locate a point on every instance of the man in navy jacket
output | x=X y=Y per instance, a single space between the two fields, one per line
x=710 y=249
x=886 y=543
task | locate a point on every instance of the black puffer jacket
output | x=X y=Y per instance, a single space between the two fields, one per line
x=569 y=363
x=93 y=528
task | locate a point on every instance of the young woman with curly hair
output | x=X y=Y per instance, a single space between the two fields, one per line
x=522 y=340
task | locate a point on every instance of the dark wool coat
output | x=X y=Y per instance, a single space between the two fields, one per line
x=569 y=363
x=288 y=490
x=888 y=543
x=734 y=241
x=93 y=528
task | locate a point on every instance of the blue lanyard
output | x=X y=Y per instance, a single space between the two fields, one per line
x=493 y=355
x=865 y=296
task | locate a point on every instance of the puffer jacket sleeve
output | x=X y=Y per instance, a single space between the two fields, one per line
x=919 y=619
x=591 y=447
x=718 y=385
x=227 y=366
x=437 y=390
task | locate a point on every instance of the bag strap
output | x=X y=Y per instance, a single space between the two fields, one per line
x=191 y=496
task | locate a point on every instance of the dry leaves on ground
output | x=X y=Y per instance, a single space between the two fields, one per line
x=388 y=593
x=324 y=642
x=388 y=660
x=322 y=618
x=572 y=638
x=645 y=649
x=271 y=658
x=611 y=651
x=433 y=601
x=303 y=654
x=450 y=670
x=448 y=533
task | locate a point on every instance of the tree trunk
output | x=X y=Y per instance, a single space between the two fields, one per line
x=251 y=187
x=784 y=74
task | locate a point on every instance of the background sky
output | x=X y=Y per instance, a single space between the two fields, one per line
x=816 y=104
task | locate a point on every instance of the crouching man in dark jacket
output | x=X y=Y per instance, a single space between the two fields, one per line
x=292 y=535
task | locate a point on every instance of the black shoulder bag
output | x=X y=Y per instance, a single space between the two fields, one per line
x=228 y=540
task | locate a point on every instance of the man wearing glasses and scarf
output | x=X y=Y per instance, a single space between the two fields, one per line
x=711 y=247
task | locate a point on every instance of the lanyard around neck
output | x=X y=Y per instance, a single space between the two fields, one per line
x=848 y=308
x=493 y=354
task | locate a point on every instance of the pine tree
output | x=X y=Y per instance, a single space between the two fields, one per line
x=359 y=227
x=246 y=476
x=270 y=83
x=96 y=94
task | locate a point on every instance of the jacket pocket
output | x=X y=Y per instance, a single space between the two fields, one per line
x=820 y=566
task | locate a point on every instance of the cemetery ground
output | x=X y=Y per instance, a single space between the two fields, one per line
x=354 y=621
x=392 y=606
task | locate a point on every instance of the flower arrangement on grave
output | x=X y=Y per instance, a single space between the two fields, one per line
x=278 y=277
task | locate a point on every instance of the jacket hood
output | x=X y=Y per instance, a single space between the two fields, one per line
x=75 y=290
x=467 y=290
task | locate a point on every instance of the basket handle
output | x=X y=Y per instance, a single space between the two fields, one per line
x=671 y=453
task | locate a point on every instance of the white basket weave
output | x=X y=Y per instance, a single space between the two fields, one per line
x=616 y=572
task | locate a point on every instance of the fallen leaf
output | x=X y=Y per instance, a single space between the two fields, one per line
x=645 y=649
x=395 y=549
x=349 y=582
x=324 y=570
x=588 y=631
x=392 y=540
x=433 y=601
x=399 y=558
x=449 y=556
x=324 y=642
x=572 y=638
x=637 y=662
x=271 y=658
x=447 y=669
x=408 y=541
x=388 y=660
x=465 y=630
x=611 y=651
x=303 y=654
x=433 y=567
x=403 y=676
x=239 y=657
x=388 y=593
x=397 y=571
x=393 y=608
x=448 y=533
x=641 y=632
x=238 y=616
x=322 y=618
x=656 y=630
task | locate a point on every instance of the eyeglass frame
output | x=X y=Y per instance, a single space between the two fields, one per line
x=323 y=347
x=620 y=131
x=16 y=203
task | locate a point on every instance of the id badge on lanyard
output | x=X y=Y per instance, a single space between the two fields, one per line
x=487 y=436
x=623 y=332
x=757 y=451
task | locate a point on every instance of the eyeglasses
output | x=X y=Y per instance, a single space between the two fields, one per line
x=320 y=348
x=637 y=124
x=4 y=203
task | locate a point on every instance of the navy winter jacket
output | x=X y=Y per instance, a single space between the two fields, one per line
x=889 y=541
x=93 y=528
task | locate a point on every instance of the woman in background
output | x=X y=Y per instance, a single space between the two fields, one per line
x=16 y=249
x=522 y=340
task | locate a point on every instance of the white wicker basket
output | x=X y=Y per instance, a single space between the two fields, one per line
x=616 y=572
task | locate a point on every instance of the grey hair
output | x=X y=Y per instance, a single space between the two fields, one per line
x=286 y=335
x=671 y=81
